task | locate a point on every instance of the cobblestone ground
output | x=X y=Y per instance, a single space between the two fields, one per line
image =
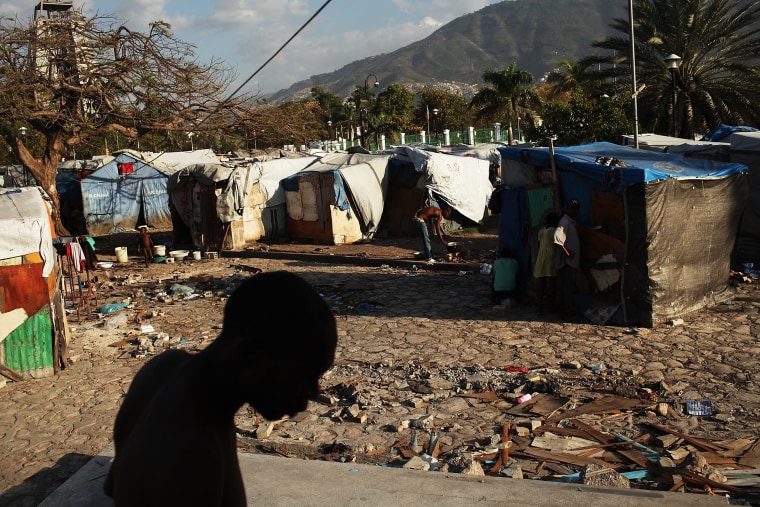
x=395 y=325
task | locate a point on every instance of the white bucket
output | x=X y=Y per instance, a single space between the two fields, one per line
x=159 y=251
x=121 y=254
x=197 y=255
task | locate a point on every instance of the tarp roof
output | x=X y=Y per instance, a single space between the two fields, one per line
x=745 y=141
x=722 y=131
x=25 y=222
x=172 y=161
x=657 y=140
x=641 y=165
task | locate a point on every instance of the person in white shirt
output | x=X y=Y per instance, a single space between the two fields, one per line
x=566 y=238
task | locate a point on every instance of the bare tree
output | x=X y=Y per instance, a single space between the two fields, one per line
x=70 y=78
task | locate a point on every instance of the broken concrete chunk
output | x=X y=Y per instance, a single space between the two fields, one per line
x=512 y=472
x=599 y=475
x=417 y=463
x=425 y=422
x=465 y=464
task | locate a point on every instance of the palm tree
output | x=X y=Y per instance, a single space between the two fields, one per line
x=717 y=81
x=573 y=77
x=509 y=96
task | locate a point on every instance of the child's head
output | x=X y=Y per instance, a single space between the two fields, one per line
x=505 y=253
x=282 y=337
x=552 y=219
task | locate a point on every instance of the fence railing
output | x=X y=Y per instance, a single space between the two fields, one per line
x=436 y=138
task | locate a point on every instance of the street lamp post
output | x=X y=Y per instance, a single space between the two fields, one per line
x=329 y=134
x=673 y=61
x=22 y=130
x=190 y=136
x=361 y=109
x=435 y=121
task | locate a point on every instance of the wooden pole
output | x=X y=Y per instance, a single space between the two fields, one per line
x=556 y=191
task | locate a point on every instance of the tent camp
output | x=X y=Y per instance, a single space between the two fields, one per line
x=130 y=190
x=212 y=203
x=32 y=318
x=344 y=198
x=657 y=230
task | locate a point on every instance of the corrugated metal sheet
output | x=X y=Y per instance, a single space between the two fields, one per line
x=28 y=349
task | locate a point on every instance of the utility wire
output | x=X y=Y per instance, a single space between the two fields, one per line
x=270 y=58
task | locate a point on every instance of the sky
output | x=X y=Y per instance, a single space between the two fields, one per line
x=245 y=33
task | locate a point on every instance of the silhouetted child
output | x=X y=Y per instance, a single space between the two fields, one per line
x=545 y=271
x=145 y=244
x=504 y=285
x=175 y=433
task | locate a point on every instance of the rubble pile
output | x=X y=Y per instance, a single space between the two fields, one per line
x=596 y=430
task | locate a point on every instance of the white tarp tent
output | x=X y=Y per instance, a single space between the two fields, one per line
x=25 y=222
x=461 y=181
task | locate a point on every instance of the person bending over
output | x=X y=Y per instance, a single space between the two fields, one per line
x=436 y=215
x=174 y=434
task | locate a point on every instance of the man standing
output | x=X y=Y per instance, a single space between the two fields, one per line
x=566 y=237
x=421 y=217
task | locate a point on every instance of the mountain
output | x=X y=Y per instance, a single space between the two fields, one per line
x=537 y=34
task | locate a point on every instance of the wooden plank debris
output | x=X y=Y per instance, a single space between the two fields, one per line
x=609 y=403
x=7 y=372
x=485 y=396
x=751 y=458
x=561 y=457
x=701 y=444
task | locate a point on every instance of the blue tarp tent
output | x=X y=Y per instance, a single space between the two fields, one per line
x=126 y=192
x=665 y=223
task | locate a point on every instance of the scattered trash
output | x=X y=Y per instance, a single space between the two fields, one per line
x=699 y=408
x=181 y=290
x=485 y=269
x=524 y=398
x=516 y=369
x=111 y=308
x=118 y=320
x=676 y=322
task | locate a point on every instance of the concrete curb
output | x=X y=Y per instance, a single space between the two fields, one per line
x=280 y=482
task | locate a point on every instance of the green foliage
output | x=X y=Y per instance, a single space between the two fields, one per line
x=452 y=109
x=330 y=103
x=719 y=43
x=581 y=121
x=509 y=95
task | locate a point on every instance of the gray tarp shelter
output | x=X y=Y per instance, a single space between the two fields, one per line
x=657 y=230
x=243 y=202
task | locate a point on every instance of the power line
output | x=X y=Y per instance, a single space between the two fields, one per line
x=273 y=56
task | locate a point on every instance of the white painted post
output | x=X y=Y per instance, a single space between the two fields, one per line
x=382 y=141
x=403 y=138
x=471 y=136
x=497 y=132
x=446 y=137
x=422 y=136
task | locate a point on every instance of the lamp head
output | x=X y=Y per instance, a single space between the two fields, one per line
x=672 y=61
